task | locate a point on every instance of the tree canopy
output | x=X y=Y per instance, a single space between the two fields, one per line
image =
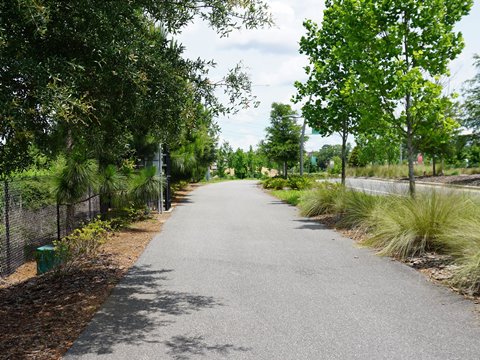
x=282 y=142
x=100 y=75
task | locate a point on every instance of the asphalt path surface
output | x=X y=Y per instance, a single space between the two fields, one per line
x=385 y=187
x=236 y=274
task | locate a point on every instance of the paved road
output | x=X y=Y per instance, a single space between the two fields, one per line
x=384 y=187
x=236 y=274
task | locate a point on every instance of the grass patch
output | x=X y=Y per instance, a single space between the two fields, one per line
x=403 y=227
x=291 y=197
x=401 y=171
x=327 y=198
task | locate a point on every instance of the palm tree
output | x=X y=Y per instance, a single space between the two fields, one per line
x=72 y=181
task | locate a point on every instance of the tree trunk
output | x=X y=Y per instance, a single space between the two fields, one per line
x=434 y=163
x=408 y=105
x=285 y=175
x=344 y=153
x=411 y=155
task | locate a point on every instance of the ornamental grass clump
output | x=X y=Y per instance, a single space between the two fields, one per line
x=463 y=241
x=403 y=227
x=358 y=209
x=327 y=198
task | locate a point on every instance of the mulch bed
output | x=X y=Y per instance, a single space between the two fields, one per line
x=41 y=316
x=464 y=180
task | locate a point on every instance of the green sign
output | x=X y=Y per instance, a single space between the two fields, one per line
x=315 y=132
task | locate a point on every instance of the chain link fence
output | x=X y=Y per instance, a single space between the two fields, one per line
x=23 y=228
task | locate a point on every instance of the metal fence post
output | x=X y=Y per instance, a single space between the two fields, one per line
x=160 y=173
x=168 y=194
x=7 y=226
x=59 y=231
x=89 y=203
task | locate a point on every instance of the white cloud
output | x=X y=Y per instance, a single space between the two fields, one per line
x=285 y=73
x=272 y=58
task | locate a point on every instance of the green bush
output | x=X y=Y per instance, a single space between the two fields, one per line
x=337 y=166
x=296 y=182
x=82 y=244
x=275 y=183
x=122 y=218
x=35 y=191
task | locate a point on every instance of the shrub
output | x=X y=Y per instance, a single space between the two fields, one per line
x=276 y=183
x=119 y=219
x=404 y=227
x=179 y=186
x=82 y=244
x=296 y=182
x=327 y=198
x=36 y=191
x=337 y=166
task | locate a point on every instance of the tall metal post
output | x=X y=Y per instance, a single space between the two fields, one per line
x=90 y=204
x=160 y=173
x=168 y=169
x=302 y=137
x=7 y=227
x=59 y=230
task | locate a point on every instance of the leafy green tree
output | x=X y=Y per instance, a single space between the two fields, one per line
x=471 y=106
x=197 y=150
x=355 y=159
x=100 y=73
x=379 y=148
x=399 y=47
x=436 y=141
x=328 y=152
x=332 y=88
x=282 y=143
x=224 y=158
x=240 y=164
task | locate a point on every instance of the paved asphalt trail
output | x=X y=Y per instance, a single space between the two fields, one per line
x=236 y=274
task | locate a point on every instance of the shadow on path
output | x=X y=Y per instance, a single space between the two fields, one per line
x=138 y=307
x=183 y=347
x=310 y=225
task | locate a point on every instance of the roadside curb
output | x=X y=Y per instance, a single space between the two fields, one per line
x=419 y=182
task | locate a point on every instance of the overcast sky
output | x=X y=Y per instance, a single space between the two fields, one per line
x=274 y=64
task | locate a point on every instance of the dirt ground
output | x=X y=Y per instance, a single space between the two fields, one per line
x=41 y=316
x=465 y=180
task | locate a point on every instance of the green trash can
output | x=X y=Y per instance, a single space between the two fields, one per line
x=46 y=259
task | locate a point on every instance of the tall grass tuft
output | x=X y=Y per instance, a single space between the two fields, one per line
x=404 y=227
x=463 y=241
x=359 y=208
x=327 y=198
